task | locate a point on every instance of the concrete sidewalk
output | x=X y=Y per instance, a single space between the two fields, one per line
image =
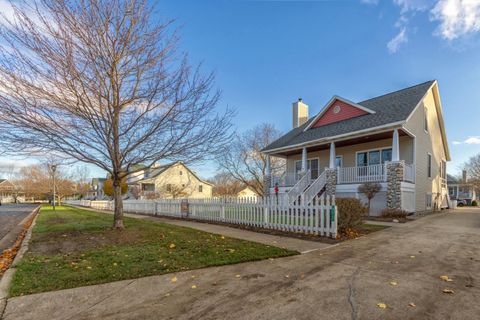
x=302 y=246
x=346 y=281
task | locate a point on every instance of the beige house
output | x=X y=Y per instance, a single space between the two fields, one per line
x=396 y=139
x=174 y=180
x=247 y=192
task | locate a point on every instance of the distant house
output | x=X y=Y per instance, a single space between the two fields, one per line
x=396 y=139
x=461 y=189
x=96 y=189
x=7 y=191
x=174 y=180
x=247 y=192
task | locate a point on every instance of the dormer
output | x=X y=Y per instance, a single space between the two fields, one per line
x=336 y=110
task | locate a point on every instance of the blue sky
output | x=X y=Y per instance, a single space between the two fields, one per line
x=266 y=54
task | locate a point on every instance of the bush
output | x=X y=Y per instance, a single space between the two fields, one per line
x=350 y=213
x=394 y=213
x=474 y=203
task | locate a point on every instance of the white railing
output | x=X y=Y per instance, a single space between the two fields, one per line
x=375 y=173
x=299 y=187
x=320 y=217
x=409 y=172
x=314 y=189
x=287 y=179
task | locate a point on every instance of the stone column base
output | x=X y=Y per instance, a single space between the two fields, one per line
x=394 y=181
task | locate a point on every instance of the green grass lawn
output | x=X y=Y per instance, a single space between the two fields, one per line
x=71 y=247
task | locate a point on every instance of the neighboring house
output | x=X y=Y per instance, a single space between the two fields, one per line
x=247 y=192
x=461 y=189
x=7 y=191
x=396 y=139
x=174 y=180
x=96 y=189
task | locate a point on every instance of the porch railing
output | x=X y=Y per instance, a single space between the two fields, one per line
x=299 y=187
x=375 y=173
x=287 y=179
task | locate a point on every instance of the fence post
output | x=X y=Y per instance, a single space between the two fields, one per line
x=335 y=224
x=222 y=210
x=155 y=209
x=265 y=212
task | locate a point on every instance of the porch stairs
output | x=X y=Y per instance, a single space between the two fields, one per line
x=305 y=190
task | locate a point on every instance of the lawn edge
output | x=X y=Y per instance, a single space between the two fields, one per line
x=6 y=280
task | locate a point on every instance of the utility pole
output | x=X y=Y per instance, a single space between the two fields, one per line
x=53 y=167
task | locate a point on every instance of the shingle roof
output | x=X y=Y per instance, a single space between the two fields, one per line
x=389 y=108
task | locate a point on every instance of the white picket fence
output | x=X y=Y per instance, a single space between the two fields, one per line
x=320 y=217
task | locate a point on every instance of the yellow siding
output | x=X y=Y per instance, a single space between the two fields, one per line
x=426 y=143
x=247 y=193
x=186 y=181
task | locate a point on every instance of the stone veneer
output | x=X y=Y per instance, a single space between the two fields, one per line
x=394 y=180
x=267 y=180
x=331 y=181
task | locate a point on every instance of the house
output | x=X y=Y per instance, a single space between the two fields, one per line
x=461 y=189
x=247 y=192
x=96 y=189
x=174 y=180
x=397 y=139
x=7 y=191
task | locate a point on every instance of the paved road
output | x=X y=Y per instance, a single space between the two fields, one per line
x=341 y=282
x=10 y=216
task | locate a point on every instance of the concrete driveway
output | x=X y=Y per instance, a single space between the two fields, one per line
x=11 y=215
x=341 y=282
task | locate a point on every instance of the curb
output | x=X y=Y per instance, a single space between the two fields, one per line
x=7 y=277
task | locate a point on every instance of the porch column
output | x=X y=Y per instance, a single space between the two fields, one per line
x=332 y=155
x=395 y=147
x=304 y=160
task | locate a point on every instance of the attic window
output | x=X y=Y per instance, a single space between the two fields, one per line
x=337 y=109
x=425 y=123
x=181 y=172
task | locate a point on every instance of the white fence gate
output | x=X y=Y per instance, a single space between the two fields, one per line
x=320 y=217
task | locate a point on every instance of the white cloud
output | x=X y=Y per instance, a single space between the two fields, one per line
x=374 y=2
x=394 y=44
x=470 y=140
x=457 y=17
x=413 y=5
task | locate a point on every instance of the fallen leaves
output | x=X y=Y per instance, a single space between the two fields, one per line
x=448 y=291
x=194 y=287
x=381 y=305
x=446 y=278
x=172 y=246
x=173 y=280
x=411 y=304
x=393 y=283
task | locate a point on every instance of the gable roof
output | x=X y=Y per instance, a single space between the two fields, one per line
x=390 y=109
x=155 y=172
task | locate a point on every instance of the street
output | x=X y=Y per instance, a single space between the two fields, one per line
x=399 y=267
x=10 y=216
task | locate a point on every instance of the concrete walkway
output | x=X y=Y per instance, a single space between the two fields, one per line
x=346 y=281
x=302 y=246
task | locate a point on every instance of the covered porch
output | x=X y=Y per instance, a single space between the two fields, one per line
x=356 y=160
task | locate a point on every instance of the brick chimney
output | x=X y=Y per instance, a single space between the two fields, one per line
x=300 y=113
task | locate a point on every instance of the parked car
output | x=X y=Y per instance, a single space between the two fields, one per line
x=461 y=203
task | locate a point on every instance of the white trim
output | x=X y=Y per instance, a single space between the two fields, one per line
x=368 y=150
x=429 y=174
x=386 y=127
x=329 y=103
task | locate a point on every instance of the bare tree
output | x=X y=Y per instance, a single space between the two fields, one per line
x=472 y=167
x=244 y=160
x=225 y=185
x=103 y=82
x=370 y=189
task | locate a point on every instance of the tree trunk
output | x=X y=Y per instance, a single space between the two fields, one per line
x=118 y=201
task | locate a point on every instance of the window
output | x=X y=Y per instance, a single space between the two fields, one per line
x=200 y=188
x=181 y=172
x=169 y=187
x=425 y=120
x=149 y=187
x=428 y=201
x=312 y=165
x=373 y=157
x=338 y=161
x=429 y=165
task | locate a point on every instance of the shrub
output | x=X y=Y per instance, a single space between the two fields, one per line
x=474 y=203
x=350 y=213
x=394 y=213
x=370 y=189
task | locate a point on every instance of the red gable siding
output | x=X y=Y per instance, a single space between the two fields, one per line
x=346 y=112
